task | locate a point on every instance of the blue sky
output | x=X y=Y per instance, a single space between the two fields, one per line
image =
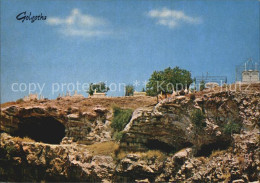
x=123 y=41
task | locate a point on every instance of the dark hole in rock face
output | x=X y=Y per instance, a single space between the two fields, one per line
x=41 y=129
x=207 y=149
x=154 y=144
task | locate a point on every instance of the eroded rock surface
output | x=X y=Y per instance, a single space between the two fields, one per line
x=27 y=161
x=169 y=127
x=161 y=143
x=37 y=121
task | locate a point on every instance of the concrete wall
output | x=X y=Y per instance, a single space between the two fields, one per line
x=139 y=93
x=250 y=76
x=97 y=95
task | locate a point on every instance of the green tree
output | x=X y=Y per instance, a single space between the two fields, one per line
x=202 y=85
x=155 y=79
x=129 y=90
x=99 y=87
x=167 y=80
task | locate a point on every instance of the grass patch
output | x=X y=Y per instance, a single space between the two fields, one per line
x=226 y=177
x=104 y=148
x=8 y=104
x=19 y=101
x=151 y=154
x=121 y=118
x=10 y=150
x=203 y=159
x=118 y=135
x=121 y=155
x=232 y=127
x=24 y=139
x=198 y=118
x=217 y=153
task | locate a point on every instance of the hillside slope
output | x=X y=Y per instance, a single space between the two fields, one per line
x=212 y=136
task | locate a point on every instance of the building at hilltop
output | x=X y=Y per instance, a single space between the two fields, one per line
x=76 y=95
x=248 y=72
x=97 y=95
x=31 y=97
x=137 y=94
x=250 y=76
x=69 y=96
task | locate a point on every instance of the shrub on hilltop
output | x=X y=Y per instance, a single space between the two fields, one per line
x=168 y=80
x=129 y=90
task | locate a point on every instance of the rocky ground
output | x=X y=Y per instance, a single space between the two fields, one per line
x=163 y=142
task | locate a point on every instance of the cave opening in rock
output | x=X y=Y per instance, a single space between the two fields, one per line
x=207 y=149
x=41 y=129
x=155 y=144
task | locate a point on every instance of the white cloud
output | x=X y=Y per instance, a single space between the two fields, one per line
x=78 y=24
x=172 y=18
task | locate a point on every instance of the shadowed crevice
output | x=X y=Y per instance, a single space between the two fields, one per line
x=207 y=149
x=41 y=129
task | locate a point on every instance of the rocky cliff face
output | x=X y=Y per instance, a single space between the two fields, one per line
x=82 y=120
x=169 y=125
x=165 y=142
x=239 y=163
x=51 y=125
x=33 y=161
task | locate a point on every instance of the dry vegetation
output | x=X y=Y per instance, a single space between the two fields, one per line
x=220 y=152
x=87 y=104
x=203 y=159
x=243 y=87
x=156 y=154
x=103 y=148
x=8 y=104
x=24 y=139
x=217 y=153
x=226 y=177
x=129 y=102
x=112 y=148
